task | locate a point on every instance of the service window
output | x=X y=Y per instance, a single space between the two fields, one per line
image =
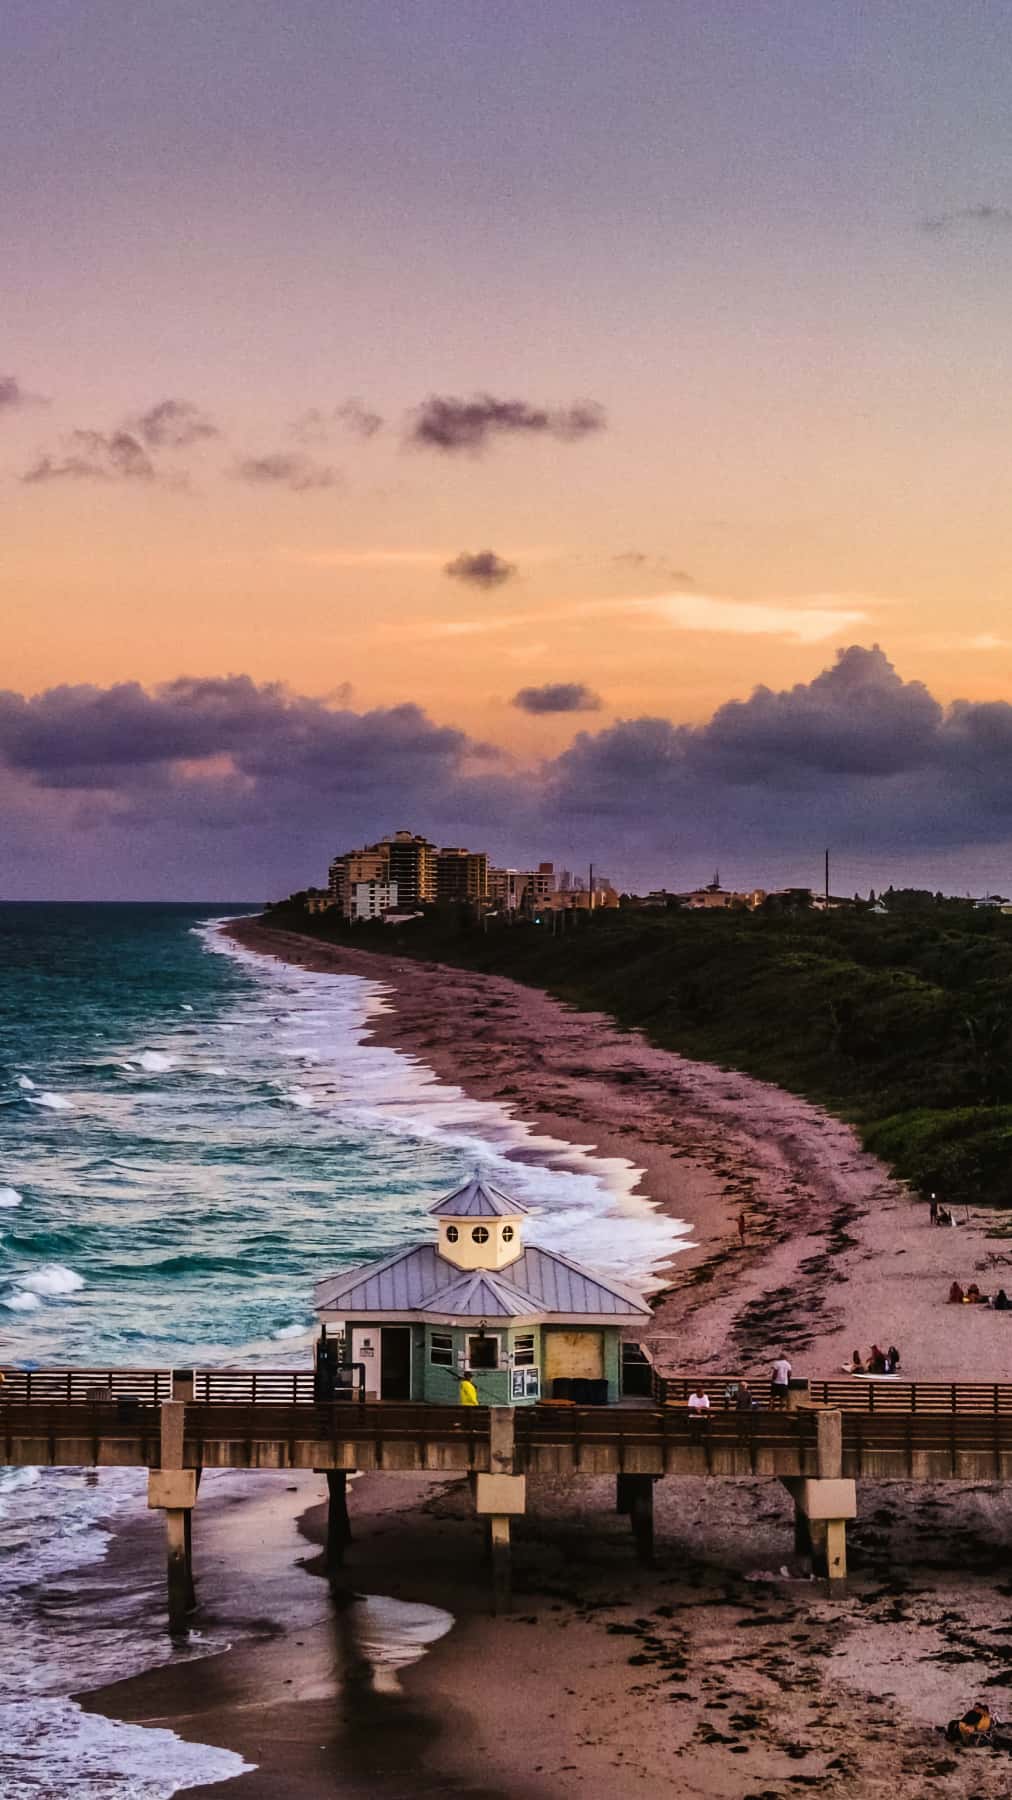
x=523 y=1352
x=441 y=1349
x=483 y=1352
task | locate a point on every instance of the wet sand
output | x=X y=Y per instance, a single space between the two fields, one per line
x=724 y=1672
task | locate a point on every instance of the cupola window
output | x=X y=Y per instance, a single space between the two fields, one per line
x=452 y=1234
x=480 y=1234
x=507 y=1234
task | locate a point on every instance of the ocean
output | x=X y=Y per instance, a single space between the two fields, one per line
x=190 y=1136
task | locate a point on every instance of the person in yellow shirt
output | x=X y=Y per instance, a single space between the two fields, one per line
x=468 y=1392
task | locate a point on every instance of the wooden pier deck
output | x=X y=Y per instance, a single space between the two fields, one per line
x=176 y=1424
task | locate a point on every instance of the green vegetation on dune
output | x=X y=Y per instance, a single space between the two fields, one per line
x=901 y=1024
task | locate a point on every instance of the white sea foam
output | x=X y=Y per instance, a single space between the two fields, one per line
x=290 y=1331
x=393 y=1634
x=50 y=1748
x=25 y=1081
x=53 y=1102
x=586 y=1204
x=53 y=1279
x=54 y=1530
x=9 y=1196
x=155 y=1061
x=185 y=1006
x=21 y=1302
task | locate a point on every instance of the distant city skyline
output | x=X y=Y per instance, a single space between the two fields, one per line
x=530 y=419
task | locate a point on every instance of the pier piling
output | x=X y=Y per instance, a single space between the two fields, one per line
x=338 y=1522
x=640 y=1491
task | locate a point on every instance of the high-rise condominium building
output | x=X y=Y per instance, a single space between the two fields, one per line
x=462 y=875
x=411 y=862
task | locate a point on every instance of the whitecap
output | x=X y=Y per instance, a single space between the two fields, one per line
x=290 y=1331
x=155 y=1061
x=22 y=1302
x=299 y=1096
x=10 y=1197
x=53 y=1102
x=53 y=1279
x=185 y=1006
x=25 y=1081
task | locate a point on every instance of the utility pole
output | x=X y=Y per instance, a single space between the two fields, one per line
x=827 y=877
x=590 y=891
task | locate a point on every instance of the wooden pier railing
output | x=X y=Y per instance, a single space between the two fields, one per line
x=852 y=1394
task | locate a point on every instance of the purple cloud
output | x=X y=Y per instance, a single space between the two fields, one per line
x=557 y=697
x=15 y=398
x=174 y=425
x=480 y=568
x=448 y=424
x=95 y=456
x=284 y=468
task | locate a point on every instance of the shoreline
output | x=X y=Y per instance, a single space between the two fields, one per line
x=634 y=1681
x=837 y=1253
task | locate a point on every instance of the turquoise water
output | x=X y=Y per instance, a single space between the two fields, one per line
x=190 y=1136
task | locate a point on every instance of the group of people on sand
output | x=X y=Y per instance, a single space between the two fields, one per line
x=877 y=1362
x=998 y=1302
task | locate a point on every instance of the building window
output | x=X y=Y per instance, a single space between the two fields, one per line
x=441 y=1349
x=452 y=1234
x=483 y=1352
x=507 y=1234
x=525 y=1384
x=523 y=1351
x=480 y=1234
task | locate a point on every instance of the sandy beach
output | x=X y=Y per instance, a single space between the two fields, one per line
x=723 y=1672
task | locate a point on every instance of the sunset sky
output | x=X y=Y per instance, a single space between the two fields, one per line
x=502 y=388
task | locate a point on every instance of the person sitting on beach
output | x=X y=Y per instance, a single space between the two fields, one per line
x=855 y=1365
x=1001 y=1301
x=468 y=1394
x=876 y=1361
x=945 y=1217
x=956 y=1295
x=973 y=1296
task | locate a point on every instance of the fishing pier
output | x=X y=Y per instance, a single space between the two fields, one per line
x=177 y=1423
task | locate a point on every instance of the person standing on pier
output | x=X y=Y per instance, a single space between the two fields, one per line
x=468 y=1394
x=780 y=1380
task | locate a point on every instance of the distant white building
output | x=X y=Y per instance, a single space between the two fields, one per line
x=371 y=899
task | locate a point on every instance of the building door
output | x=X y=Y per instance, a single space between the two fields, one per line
x=395 y=1362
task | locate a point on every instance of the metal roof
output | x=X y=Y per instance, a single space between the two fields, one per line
x=419 y=1280
x=478 y=1199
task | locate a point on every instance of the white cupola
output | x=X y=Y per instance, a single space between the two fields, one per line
x=480 y=1227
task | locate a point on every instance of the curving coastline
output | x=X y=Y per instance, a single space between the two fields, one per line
x=722 y=1673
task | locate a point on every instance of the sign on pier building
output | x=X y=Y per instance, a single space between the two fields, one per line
x=524 y=1322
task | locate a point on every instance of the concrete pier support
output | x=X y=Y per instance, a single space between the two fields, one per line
x=179 y=1567
x=338 y=1523
x=634 y=1495
x=823 y=1505
x=502 y=1563
x=173 y=1490
x=498 y=1496
x=641 y=1515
